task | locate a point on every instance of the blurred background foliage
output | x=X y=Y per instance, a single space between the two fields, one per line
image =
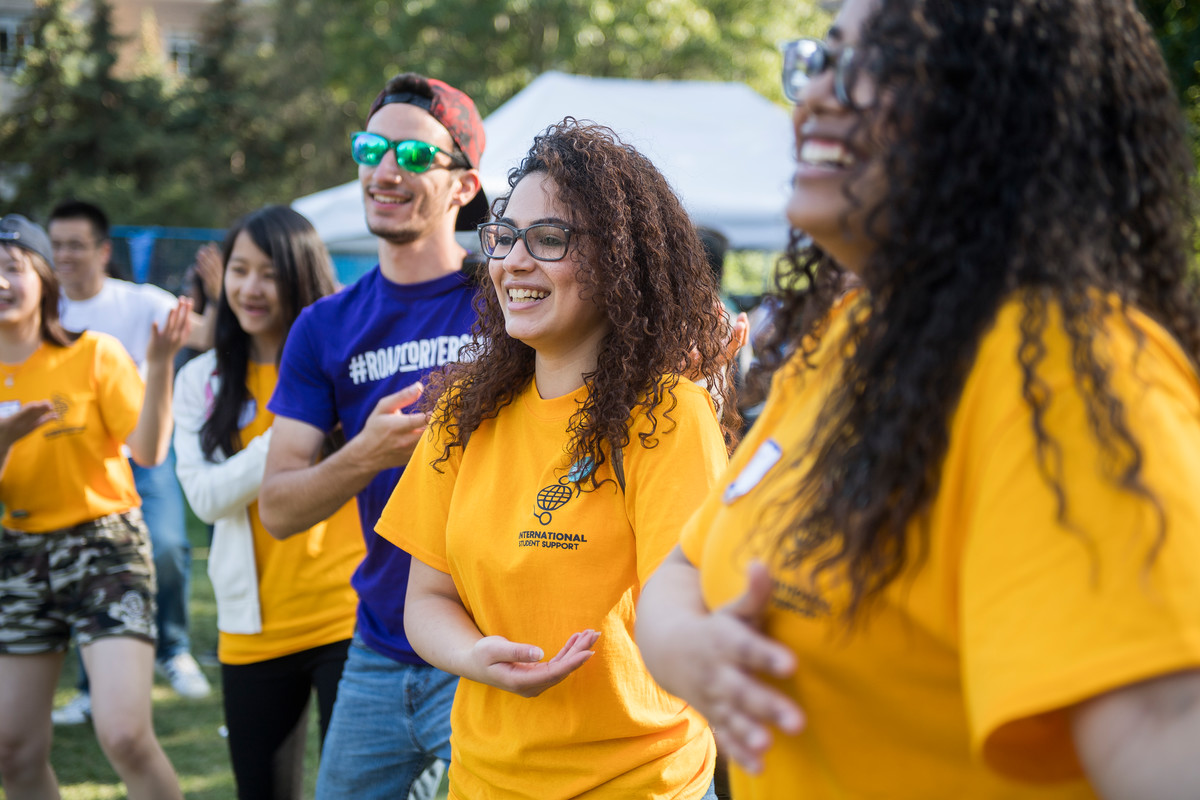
x=277 y=86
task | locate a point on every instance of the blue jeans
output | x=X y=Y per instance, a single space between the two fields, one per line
x=162 y=508
x=390 y=722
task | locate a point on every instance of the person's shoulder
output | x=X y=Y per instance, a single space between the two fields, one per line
x=93 y=340
x=682 y=398
x=98 y=346
x=204 y=365
x=143 y=293
x=451 y=285
x=346 y=299
x=687 y=390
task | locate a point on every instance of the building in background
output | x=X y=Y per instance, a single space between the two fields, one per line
x=160 y=34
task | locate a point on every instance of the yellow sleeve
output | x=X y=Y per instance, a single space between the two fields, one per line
x=415 y=516
x=119 y=387
x=666 y=483
x=1052 y=614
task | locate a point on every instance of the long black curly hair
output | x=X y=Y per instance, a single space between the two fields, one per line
x=1034 y=149
x=647 y=272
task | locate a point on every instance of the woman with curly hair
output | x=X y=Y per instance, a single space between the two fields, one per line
x=563 y=454
x=959 y=555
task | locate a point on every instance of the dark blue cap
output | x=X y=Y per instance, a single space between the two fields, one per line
x=16 y=229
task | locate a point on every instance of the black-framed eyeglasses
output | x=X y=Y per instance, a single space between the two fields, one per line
x=412 y=155
x=805 y=59
x=545 y=241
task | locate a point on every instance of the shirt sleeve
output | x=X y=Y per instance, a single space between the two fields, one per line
x=304 y=392
x=214 y=489
x=1056 y=611
x=415 y=516
x=665 y=484
x=119 y=388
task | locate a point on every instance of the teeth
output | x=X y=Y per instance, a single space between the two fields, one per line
x=826 y=153
x=526 y=294
x=379 y=198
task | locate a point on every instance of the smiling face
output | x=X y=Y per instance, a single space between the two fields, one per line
x=835 y=152
x=543 y=302
x=80 y=256
x=20 y=291
x=253 y=294
x=402 y=206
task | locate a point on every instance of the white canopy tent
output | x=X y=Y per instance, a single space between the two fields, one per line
x=725 y=149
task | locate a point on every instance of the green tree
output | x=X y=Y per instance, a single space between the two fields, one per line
x=1176 y=23
x=31 y=150
x=78 y=129
x=493 y=48
x=261 y=124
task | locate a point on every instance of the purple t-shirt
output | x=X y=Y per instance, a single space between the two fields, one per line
x=342 y=355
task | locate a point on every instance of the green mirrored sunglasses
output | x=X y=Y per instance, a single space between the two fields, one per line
x=412 y=155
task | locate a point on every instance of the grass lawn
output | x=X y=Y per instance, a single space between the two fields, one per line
x=188 y=729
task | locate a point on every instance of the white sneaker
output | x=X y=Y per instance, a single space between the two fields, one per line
x=76 y=711
x=185 y=676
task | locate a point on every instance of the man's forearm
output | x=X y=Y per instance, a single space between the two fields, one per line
x=292 y=501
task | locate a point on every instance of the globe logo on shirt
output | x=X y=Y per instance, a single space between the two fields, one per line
x=552 y=498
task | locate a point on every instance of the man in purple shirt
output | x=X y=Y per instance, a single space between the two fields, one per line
x=356 y=359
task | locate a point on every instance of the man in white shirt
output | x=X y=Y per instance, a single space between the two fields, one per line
x=93 y=301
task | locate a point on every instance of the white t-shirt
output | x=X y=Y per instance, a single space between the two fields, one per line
x=121 y=309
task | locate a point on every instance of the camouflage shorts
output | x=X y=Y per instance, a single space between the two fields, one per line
x=95 y=579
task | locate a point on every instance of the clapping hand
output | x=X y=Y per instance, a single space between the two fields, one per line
x=165 y=343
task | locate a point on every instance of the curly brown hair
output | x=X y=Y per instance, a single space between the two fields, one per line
x=646 y=271
x=1035 y=149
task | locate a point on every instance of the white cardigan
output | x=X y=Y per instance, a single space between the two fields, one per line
x=219 y=492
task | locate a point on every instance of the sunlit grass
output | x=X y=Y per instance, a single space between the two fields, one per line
x=187 y=729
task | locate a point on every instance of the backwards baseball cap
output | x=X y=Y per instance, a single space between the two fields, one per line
x=457 y=114
x=17 y=230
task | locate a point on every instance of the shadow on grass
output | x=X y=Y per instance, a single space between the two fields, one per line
x=187 y=729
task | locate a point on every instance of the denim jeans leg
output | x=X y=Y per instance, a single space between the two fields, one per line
x=390 y=723
x=162 y=508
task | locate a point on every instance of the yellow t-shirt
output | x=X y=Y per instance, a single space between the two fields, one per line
x=303 y=581
x=958 y=684
x=71 y=470
x=535 y=560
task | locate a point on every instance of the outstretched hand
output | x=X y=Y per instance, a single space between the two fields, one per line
x=165 y=343
x=728 y=651
x=390 y=435
x=25 y=421
x=518 y=668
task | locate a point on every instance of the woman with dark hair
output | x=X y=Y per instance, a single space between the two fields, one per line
x=74 y=551
x=562 y=453
x=959 y=555
x=285 y=609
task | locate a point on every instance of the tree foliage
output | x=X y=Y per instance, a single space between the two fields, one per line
x=277 y=86
x=493 y=48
